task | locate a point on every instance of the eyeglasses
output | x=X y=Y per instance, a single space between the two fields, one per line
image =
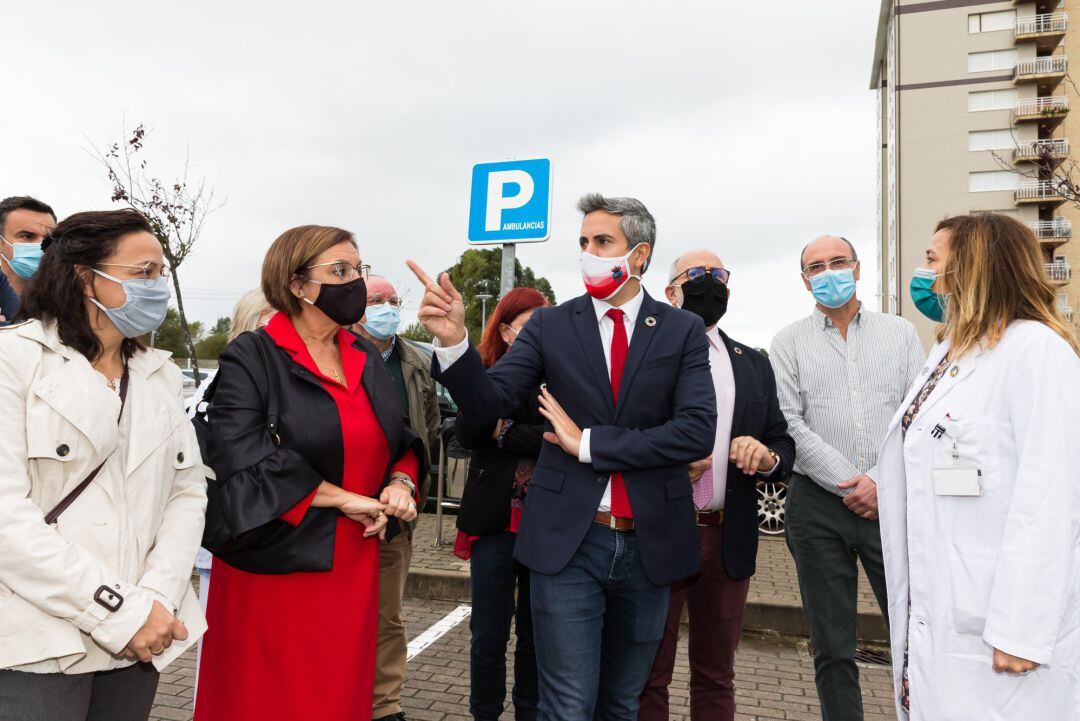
x=148 y=273
x=834 y=264
x=379 y=300
x=720 y=275
x=343 y=271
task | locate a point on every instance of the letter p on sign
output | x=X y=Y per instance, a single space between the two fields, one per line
x=511 y=201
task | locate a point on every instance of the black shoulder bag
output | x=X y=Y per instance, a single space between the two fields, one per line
x=217 y=538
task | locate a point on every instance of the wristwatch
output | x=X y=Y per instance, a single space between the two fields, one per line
x=406 y=481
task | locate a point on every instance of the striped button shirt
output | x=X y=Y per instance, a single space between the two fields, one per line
x=840 y=395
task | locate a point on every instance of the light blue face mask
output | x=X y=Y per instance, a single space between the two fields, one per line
x=382 y=321
x=26 y=257
x=833 y=288
x=929 y=303
x=144 y=308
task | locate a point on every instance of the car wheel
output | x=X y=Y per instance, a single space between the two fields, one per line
x=772 y=498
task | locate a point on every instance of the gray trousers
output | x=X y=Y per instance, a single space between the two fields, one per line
x=123 y=695
x=825 y=538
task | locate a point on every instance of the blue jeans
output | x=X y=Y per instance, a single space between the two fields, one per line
x=598 y=623
x=495 y=578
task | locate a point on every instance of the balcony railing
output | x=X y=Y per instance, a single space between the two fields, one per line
x=1038 y=190
x=1059 y=270
x=1046 y=149
x=1046 y=65
x=1056 y=229
x=1050 y=106
x=1042 y=24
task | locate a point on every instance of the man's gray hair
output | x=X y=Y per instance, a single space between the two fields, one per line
x=635 y=220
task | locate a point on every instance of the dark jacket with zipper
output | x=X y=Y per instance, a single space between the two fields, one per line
x=485 y=504
x=261 y=480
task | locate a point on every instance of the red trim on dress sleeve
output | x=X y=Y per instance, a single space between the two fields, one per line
x=294 y=515
x=409 y=465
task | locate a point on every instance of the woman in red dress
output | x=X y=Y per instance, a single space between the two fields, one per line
x=293 y=607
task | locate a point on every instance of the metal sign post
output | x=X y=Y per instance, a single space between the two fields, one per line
x=506 y=279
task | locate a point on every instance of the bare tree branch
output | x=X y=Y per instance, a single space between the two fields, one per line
x=176 y=212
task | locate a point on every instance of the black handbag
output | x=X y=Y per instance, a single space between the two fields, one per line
x=217 y=538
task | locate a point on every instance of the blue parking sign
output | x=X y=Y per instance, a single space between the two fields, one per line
x=510 y=202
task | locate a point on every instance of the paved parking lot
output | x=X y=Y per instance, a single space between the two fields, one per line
x=774 y=678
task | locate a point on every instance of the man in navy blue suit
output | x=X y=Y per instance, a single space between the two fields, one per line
x=609 y=524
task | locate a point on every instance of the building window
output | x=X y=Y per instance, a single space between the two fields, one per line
x=991 y=140
x=992 y=180
x=992 y=22
x=992 y=100
x=991 y=60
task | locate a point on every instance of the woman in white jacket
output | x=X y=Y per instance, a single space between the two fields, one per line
x=93 y=574
x=979 y=489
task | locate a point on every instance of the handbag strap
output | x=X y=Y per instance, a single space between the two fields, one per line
x=51 y=516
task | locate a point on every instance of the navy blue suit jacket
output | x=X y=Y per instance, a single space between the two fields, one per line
x=665 y=418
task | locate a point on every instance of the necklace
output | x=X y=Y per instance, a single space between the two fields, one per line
x=332 y=373
x=111 y=383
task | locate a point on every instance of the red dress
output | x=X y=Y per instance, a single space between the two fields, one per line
x=302 y=645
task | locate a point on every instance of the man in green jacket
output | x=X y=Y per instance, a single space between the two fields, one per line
x=410 y=368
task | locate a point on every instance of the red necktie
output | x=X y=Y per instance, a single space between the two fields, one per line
x=620 y=502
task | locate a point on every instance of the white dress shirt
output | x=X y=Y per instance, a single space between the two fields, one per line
x=723 y=377
x=630 y=309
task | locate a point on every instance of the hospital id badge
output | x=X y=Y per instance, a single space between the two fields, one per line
x=958 y=481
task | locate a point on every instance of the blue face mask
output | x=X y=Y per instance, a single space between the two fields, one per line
x=144 y=308
x=26 y=257
x=929 y=303
x=382 y=321
x=833 y=288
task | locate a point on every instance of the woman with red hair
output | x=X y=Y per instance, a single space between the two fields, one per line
x=503 y=457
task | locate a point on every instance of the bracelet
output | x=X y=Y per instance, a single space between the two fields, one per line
x=406 y=481
x=507 y=425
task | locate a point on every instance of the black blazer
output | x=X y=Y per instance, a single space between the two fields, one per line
x=485 y=505
x=665 y=419
x=757 y=414
x=261 y=481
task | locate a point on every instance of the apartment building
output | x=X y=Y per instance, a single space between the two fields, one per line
x=976 y=113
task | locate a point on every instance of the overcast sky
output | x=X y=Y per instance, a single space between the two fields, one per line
x=745 y=127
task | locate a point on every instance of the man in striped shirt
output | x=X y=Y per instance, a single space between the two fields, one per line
x=841 y=374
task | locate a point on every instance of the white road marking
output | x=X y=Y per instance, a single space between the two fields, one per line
x=437 y=631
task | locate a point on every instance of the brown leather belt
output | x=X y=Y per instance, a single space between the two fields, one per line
x=712 y=518
x=614 y=523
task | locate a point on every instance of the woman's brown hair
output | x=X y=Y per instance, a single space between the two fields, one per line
x=995 y=274
x=289 y=255
x=57 y=294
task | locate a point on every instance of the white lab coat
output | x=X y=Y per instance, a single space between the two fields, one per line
x=1000 y=570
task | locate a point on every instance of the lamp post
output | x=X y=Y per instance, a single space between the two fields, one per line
x=483 y=298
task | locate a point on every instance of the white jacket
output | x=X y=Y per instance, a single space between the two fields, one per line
x=131 y=535
x=1000 y=570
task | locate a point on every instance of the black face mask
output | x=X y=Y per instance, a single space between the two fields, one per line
x=705 y=297
x=345 y=303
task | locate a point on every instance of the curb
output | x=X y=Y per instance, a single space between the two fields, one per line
x=760 y=616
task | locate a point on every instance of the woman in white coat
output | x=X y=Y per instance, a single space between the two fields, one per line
x=102 y=491
x=979 y=489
